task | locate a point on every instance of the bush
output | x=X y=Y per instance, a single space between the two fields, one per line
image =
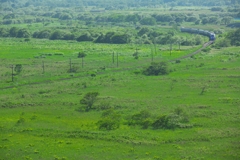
x=178 y=61
x=81 y=55
x=85 y=37
x=222 y=42
x=177 y=119
x=141 y=119
x=110 y=120
x=104 y=105
x=88 y=100
x=21 y=120
x=160 y=122
x=155 y=68
x=206 y=49
x=18 y=68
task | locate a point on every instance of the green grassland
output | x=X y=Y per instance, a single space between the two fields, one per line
x=41 y=120
x=56 y=56
x=40 y=110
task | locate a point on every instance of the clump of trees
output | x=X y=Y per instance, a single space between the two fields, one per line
x=112 y=37
x=176 y=119
x=156 y=69
x=232 y=38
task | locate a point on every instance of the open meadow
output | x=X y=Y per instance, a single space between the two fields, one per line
x=118 y=80
x=40 y=117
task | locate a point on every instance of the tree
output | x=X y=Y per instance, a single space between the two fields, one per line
x=65 y=16
x=4 y=32
x=234 y=37
x=105 y=38
x=13 y=31
x=88 y=100
x=44 y=34
x=198 y=40
x=205 y=20
x=148 y=21
x=227 y=20
x=222 y=42
x=192 y=19
x=133 y=18
x=56 y=35
x=119 y=39
x=143 y=31
x=197 y=22
x=238 y=15
x=85 y=37
x=23 y=33
x=164 y=18
x=68 y=36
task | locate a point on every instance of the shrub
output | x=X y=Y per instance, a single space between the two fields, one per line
x=177 y=119
x=73 y=69
x=21 y=120
x=160 y=122
x=110 y=120
x=142 y=118
x=81 y=55
x=104 y=105
x=155 y=68
x=88 y=100
x=18 y=68
x=178 y=61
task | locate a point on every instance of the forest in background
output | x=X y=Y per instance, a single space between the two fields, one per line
x=116 y=4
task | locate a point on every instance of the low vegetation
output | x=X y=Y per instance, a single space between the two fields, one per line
x=118 y=80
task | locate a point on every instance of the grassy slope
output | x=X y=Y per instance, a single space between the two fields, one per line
x=51 y=127
x=16 y=51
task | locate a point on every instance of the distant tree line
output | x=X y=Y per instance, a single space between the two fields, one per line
x=88 y=18
x=114 y=4
x=144 y=35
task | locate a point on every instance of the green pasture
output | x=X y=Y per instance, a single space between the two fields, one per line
x=40 y=112
x=57 y=55
x=42 y=121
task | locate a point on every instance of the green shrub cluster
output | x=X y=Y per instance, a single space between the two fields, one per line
x=155 y=69
x=177 y=119
x=110 y=120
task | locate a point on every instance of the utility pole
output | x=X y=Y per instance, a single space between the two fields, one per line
x=43 y=67
x=155 y=47
x=82 y=62
x=113 y=57
x=12 y=72
x=70 y=63
x=171 y=49
x=117 y=59
x=152 y=54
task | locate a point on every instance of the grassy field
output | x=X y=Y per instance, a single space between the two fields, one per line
x=56 y=56
x=41 y=120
